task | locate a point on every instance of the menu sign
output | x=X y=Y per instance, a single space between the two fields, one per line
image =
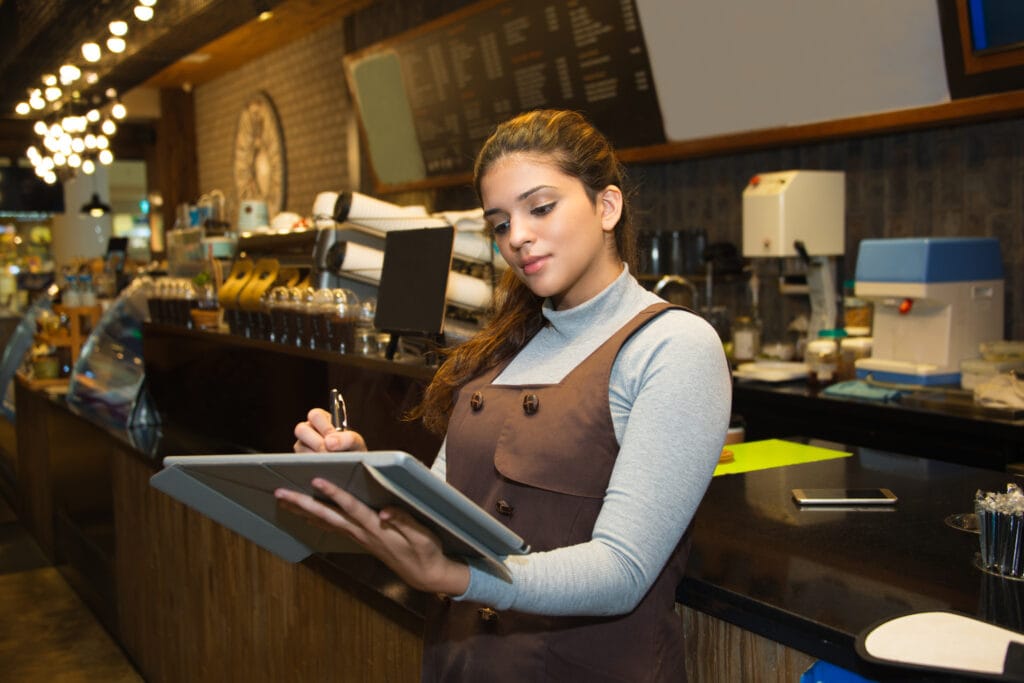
x=463 y=74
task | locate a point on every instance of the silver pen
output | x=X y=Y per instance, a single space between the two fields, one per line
x=339 y=415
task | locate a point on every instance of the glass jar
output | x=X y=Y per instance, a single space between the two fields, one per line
x=822 y=358
x=279 y=306
x=341 y=320
x=746 y=339
x=852 y=349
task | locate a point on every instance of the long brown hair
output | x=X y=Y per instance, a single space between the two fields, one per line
x=579 y=150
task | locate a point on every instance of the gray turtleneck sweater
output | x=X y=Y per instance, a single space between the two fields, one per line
x=670 y=397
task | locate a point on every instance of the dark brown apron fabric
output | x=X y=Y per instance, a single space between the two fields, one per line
x=539 y=458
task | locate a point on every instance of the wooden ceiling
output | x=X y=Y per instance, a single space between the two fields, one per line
x=187 y=42
x=290 y=20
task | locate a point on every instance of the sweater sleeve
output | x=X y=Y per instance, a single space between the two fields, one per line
x=670 y=397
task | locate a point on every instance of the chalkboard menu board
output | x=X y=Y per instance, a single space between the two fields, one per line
x=428 y=99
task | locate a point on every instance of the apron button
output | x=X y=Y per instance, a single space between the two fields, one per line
x=476 y=401
x=530 y=404
x=504 y=508
x=487 y=614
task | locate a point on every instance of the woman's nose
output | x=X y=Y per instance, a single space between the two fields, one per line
x=519 y=233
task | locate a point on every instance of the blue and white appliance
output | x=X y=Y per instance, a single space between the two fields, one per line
x=935 y=300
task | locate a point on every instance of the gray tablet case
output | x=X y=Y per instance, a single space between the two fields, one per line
x=237 y=491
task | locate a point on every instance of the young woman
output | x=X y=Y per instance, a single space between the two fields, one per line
x=588 y=416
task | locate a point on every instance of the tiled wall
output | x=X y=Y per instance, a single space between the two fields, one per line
x=965 y=180
x=958 y=181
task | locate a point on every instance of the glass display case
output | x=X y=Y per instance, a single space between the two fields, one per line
x=107 y=384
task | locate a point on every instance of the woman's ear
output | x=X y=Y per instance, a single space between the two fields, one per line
x=610 y=202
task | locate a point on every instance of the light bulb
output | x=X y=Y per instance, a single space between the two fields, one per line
x=108 y=127
x=74 y=161
x=143 y=12
x=22 y=108
x=77 y=145
x=115 y=44
x=49 y=79
x=106 y=157
x=50 y=178
x=69 y=73
x=59 y=159
x=90 y=141
x=92 y=116
x=40 y=128
x=88 y=166
x=33 y=154
x=147 y=3
x=52 y=93
x=102 y=142
x=56 y=131
x=91 y=52
x=119 y=27
x=118 y=111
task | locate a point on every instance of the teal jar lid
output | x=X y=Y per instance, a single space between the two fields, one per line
x=835 y=333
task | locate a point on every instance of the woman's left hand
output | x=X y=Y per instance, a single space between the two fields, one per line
x=410 y=549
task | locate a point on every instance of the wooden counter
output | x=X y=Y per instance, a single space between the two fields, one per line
x=769 y=588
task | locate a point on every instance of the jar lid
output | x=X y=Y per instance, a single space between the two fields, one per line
x=821 y=344
x=833 y=333
x=856 y=343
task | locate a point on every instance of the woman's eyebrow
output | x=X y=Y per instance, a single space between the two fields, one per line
x=521 y=197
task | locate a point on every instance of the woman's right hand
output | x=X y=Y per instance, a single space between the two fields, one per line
x=318 y=435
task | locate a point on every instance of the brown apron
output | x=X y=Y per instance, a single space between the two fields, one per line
x=539 y=458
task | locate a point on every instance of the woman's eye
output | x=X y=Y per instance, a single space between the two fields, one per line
x=500 y=228
x=543 y=209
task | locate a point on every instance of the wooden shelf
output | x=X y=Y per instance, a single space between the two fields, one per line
x=81 y=321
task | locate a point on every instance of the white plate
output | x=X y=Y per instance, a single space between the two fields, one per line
x=771 y=371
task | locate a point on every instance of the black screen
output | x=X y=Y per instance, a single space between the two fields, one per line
x=414 y=280
x=21 y=190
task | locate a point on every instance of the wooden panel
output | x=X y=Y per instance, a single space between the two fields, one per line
x=718 y=651
x=175 y=152
x=197 y=602
x=292 y=19
x=34 y=485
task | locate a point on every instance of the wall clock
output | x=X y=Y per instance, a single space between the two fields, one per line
x=260 y=164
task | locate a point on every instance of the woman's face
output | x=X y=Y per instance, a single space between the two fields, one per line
x=559 y=243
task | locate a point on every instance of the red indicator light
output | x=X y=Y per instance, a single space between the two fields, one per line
x=905 y=306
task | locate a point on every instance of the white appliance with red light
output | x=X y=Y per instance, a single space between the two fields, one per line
x=936 y=299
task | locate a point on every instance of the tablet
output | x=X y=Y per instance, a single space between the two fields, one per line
x=237 y=491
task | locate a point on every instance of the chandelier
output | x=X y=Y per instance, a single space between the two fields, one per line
x=75 y=131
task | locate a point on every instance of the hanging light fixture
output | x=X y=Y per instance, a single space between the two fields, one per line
x=95 y=207
x=73 y=134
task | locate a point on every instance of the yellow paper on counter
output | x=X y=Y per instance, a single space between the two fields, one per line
x=763 y=455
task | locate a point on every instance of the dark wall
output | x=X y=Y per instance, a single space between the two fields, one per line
x=965 y=180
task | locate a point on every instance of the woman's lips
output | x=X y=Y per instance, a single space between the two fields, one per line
x=533 y=265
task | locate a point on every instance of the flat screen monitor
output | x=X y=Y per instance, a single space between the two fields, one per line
x=414 y=280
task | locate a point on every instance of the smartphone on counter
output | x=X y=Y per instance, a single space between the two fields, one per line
x=844 y=496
